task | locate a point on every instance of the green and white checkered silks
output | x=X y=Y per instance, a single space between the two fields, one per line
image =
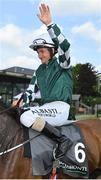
x=62 y=44
x=63 y=59
x=29 y=95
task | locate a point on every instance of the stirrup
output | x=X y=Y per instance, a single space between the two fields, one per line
x=54 y=154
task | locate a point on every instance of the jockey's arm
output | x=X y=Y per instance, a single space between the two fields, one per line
x=57 y=37
x=29 y=94
x=61 y=43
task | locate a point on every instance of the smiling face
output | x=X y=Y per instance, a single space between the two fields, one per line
x=44 y=55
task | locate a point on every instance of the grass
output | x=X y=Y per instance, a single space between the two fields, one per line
x=87 y=116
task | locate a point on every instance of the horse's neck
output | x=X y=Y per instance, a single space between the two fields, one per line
x=9 y=128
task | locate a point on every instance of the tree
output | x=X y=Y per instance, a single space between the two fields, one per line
x=85 y=80
x=75 y=72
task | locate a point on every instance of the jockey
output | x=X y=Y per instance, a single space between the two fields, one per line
x=52 y=81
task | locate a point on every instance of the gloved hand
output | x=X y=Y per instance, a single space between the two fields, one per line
x=15 y=102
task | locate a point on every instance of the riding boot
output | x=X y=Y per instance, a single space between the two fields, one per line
x=64 y=143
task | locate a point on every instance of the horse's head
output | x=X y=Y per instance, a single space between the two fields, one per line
x=8 y=126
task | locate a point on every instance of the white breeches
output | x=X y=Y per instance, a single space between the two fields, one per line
x=55 y=113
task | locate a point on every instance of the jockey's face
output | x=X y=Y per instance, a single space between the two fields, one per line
x=44 y=55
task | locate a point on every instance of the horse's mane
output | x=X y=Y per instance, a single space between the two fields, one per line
x=9 y=125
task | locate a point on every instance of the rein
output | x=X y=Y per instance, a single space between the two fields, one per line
x=7 y=109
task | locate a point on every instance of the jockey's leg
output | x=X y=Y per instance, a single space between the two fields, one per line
x=44 y=118
x=64 y=143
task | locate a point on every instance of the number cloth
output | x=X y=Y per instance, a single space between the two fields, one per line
x=74 y=162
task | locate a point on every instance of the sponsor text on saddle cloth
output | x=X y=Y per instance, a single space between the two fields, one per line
x=74 y=163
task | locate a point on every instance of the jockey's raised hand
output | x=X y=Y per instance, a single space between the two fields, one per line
x=44 y=15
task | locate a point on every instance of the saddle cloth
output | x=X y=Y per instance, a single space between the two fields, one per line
x=74 y=163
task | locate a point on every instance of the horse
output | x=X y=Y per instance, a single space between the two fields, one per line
x=13 y=165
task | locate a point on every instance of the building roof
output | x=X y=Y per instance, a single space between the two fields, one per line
x=19 y=70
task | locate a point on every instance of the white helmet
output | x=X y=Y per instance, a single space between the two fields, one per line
x=41 y=43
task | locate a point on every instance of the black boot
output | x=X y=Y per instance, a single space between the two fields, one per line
x=64 y=143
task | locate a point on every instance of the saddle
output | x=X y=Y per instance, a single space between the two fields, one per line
x=74 y=163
